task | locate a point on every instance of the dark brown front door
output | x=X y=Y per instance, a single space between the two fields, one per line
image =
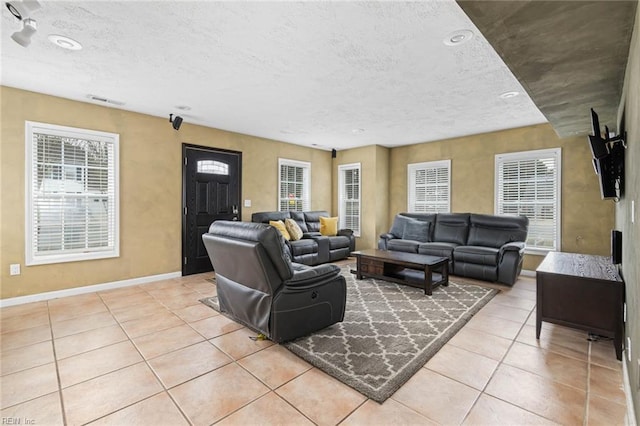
x=210 y=191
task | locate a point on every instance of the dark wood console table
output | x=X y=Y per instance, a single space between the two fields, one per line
x=581 y=291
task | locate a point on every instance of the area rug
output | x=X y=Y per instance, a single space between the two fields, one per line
x=389 y=332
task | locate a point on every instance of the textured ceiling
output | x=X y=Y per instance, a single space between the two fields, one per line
x=569 y=55
x=324 y=74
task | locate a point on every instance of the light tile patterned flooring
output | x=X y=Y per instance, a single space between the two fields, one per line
x=153 y=355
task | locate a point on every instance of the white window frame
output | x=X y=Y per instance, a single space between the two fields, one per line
x=554 y=154
x=342 y=200
x=306 y=188
x=32 y=256
x=444 y=207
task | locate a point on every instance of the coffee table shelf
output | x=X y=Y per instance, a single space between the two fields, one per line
x=411 y=269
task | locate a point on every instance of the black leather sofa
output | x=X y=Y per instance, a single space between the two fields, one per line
x=260 y=287
x=313 y=248
x=486 y=247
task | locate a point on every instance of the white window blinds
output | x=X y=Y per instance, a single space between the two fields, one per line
x=72 y=194
x=349 y=197
x=295 y=181
x=528 y=184
x=429 y=187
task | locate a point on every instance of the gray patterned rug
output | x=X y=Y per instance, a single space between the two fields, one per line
x=389 y=332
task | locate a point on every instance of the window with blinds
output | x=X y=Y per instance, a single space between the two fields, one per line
x=294 y=178
x=528 y=184
x=429 y=187
x=349 y=197
x=72 y=194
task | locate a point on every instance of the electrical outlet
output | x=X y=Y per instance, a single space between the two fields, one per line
x=247 y=203
x=14 y=269
x=628 y=349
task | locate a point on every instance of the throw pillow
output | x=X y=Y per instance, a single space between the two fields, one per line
x=279 y=225
x=397 y=229
x=294 y=230
x=416 y=230
x=329 y=226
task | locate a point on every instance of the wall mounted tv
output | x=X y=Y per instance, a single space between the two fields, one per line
x=608 y=160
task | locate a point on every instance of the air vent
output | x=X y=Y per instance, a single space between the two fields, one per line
x=104 y=100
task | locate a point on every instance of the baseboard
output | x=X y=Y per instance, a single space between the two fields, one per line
x=528 y=273
x=85 y=289
x=630 y=419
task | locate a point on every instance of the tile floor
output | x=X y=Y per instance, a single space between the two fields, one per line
x=153 y=355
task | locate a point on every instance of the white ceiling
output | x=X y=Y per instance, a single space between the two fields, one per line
x=324 y=74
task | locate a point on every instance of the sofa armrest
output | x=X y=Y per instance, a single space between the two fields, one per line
x=513 y=246
x=312 y=276
x=384 y=240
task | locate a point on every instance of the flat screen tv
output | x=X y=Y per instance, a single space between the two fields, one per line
x=608 y=160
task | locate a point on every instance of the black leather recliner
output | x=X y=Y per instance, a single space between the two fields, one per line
x=260 y=287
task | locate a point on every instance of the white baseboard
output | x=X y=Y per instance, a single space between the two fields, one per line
x=86 y=289
x=528 y=273
x=630 y=419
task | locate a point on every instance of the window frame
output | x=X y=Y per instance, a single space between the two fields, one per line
x=32 y=256
x=556 y=154
x=341 y=196
x=306 y=184
x=411 y=184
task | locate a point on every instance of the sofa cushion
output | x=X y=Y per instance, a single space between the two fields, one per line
x=329 y=226
x=476 y=254
x=312 y=219
x=339 y=242
x=440 y=249
x=299 y=218
x=403 y=245
x=452 y=228
x=416 y=230
x=294 y=229
x=304 y=246
x=496 y=231
x=400 y=222
x=279 y=225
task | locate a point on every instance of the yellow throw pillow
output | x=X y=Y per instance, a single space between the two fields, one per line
x=294 y=229
x=329 y=226
x=279 y=225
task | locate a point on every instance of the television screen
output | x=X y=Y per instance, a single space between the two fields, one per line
x=598 y=146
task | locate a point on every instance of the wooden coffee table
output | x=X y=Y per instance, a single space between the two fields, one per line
x=417 y=270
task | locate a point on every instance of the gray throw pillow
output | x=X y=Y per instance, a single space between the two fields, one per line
x=416 y=230
x=397 y=229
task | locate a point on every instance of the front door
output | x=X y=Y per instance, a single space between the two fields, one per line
x=210 y=192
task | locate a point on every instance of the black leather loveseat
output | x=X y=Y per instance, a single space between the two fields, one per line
x=487 y=247
x=313 y=248
x=260 y=287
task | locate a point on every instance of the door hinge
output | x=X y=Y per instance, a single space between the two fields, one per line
x=185 y=211
x=185 y=260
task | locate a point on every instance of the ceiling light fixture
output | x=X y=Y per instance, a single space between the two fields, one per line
x=457 y=38
x=508 y=95
x=20 y=9
x=23 y=37
x=64 y=42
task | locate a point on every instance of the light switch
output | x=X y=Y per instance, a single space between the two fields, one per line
x=247 y=203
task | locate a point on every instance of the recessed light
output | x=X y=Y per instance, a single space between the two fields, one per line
x=457 y=38
x=356 y=131
x=64 y=42
x=183 y=107
x=507 y=95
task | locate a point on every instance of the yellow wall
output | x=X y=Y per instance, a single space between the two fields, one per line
x=586 y=219
x=150 y=187
x=630 y=267
x=374 y=190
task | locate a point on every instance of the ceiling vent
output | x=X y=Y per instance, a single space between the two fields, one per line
x=104 y=100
